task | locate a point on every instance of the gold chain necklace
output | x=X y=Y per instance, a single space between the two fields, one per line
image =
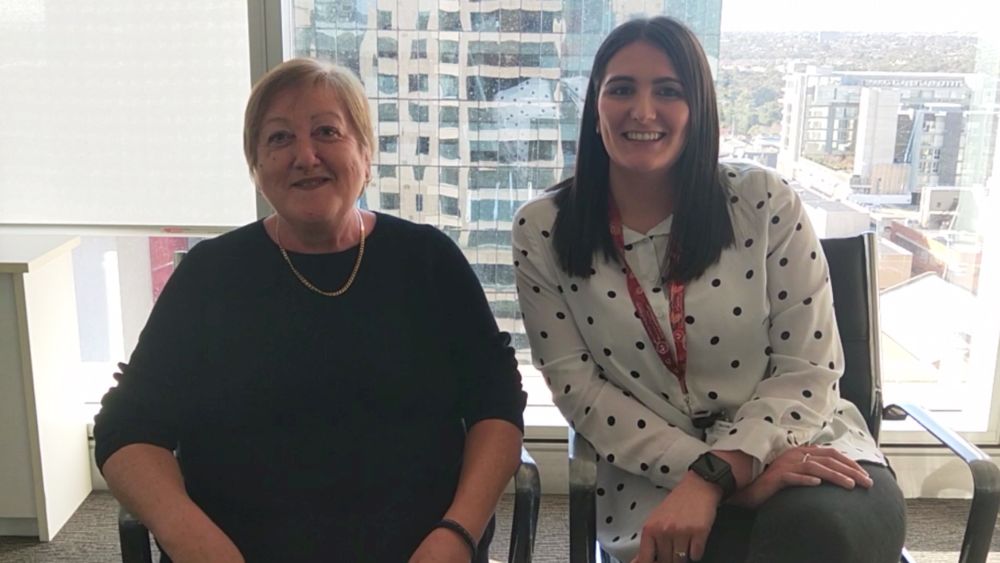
x=307 y=283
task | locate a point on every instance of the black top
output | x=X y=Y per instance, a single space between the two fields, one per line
x=307 y=425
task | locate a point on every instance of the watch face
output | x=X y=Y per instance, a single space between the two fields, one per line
x=711 y=468
x=715 y=470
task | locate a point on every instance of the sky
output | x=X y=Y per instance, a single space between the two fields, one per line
x=937 y=16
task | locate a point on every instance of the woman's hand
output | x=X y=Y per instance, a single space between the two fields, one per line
x=677 y=530
x=442 y=546
x=804 y=466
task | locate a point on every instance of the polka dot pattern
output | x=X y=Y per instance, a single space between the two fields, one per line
x=758 y=326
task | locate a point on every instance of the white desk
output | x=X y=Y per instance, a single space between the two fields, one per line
x=44 y=457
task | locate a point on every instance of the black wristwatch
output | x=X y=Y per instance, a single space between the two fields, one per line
x=714 y=469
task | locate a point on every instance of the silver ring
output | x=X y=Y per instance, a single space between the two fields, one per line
x=805 y=458
x=681 y=554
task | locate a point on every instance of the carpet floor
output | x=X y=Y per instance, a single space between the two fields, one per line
x=934 y=536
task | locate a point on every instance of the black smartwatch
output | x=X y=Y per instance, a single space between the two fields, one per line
x=714 y=469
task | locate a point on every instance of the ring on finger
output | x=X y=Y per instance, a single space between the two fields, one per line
x=681 y=554
x=805 y=458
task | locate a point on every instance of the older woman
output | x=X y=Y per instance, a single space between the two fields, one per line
x=332 y=379
x=681 y=312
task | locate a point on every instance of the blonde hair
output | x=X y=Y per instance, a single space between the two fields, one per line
x=299 y=72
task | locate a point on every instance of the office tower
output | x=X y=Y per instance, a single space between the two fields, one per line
x=477 y=106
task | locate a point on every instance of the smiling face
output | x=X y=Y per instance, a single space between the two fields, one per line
x=642 y=111
x=311 y=164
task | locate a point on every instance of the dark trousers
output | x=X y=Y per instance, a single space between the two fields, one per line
x=822 y=524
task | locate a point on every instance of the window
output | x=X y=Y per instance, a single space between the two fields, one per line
x=482 y=118
x=388 y=112
x=494 y=275
x=449 y=175
x=902 y=146
x=569 y=149
x=388 y=143
x=505 y=309
x=449 y=21
x=448 y=148
x=513 y=53
x=422 y=19
x=388 y=84
x=448 y=205
x=483 y=53
x=483 y=178
x=448 y=85
x=491 y=209
x=508 y=122
x=528 y=21
x=524 y=21
x=448 y=51
x=483 y=150
x=541 y=150
x=420 y=113
x=418 y=173
x=387 y=47
x=418 y=83
x=490 y=237
x=385 y=171
x=423 y=145
x=548 y=56
x=384 y=19
x=511 y=178
x=418 y=202
x=485 y=21
x=448 y=116
x=518 y=151
x=418 y=49
x=486 y=88
x=389 y=200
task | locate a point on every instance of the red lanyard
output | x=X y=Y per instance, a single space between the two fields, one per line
x=677 y=365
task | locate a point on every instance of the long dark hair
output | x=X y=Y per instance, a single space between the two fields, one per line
x=701 y=226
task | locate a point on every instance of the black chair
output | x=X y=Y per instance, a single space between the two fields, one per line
x=853 y=270
x=134 y=537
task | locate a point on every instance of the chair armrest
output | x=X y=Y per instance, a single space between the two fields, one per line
x=527 y=500
x=134 y=538
x=985 y=482
x=582 y=500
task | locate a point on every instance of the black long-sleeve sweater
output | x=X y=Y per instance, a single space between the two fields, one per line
x=312 y=428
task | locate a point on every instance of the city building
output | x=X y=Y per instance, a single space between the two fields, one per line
x=832 y=218
x=477 y=106
x=984 y=116
x=954 y=256
x=895 y=133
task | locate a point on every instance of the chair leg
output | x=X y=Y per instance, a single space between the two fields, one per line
x=582 y=501
x=133 y=538
x=527 y=500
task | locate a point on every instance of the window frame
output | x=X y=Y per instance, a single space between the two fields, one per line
x=271 y=31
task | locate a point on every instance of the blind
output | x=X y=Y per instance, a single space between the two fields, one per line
x=116 y=112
